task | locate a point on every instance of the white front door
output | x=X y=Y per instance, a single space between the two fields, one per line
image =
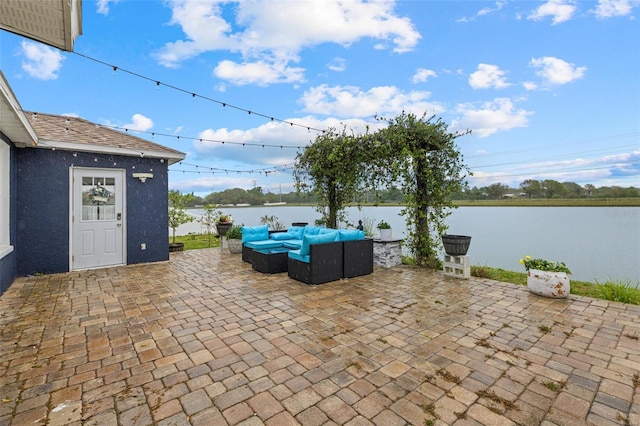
x=97 y=218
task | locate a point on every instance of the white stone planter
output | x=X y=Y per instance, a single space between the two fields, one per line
x=548 y=284
x=385 y=234
x=234 y=246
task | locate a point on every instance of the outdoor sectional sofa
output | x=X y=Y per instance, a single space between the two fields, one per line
x=316 y=255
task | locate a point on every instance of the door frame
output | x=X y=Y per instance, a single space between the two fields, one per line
x=72 y=169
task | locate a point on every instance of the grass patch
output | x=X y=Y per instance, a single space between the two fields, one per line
x=619 y=291
x=491 y=396
x=544 y=328
x=616 y=291
x=542 y=202
x=553 y=386
x=197 y=241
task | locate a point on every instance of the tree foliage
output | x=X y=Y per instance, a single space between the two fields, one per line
x=330 y=169
x=415 y=156
x=177 y=213
x=419 y=156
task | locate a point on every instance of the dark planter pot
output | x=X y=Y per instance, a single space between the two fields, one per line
x=176 y=247
x=223 y=228
x=456 y=245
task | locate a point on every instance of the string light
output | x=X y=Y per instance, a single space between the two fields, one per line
x=194 y=95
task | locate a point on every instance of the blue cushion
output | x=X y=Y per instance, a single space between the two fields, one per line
x=295 y=254
x=316 y=239
x=279 y=236
x=255 y=233
x=312 y=230
x=292 y=244
x=296 y=232
x=263 y=244
x=351 y=234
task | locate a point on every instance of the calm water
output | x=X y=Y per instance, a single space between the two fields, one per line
x=595 y=242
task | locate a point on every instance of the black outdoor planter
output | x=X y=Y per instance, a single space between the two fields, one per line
x=456 y=245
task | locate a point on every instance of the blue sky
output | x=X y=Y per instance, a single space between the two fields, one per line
x=550 y=90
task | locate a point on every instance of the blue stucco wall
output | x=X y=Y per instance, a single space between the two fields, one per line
x=43 y=207
x=8 y=262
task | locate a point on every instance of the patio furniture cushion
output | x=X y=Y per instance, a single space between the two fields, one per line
x=292 y=244
x=263 y=245
x=279 y=236
x=311 y=230
x=295 y=254
x=296 y=231
x=351 y=234
x=255 y=233
x=316 y=239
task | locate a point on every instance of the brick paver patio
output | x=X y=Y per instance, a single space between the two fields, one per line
x=205 y=340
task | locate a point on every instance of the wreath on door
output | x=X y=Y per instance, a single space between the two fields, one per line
x=99 y=195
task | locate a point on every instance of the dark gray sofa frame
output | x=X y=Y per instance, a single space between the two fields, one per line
x=325 y=264
x=333 y=261
x=357 y=258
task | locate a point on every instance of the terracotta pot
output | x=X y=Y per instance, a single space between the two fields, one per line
x=548 y=284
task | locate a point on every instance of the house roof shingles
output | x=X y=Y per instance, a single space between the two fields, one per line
x=73 y=133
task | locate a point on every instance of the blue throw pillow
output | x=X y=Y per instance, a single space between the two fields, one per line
x=312 y=230
x=296 y=232
x=315 y=239
x=255 y=233
x=279 y=236
x=351 y=234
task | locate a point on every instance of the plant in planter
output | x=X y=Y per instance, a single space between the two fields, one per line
x=385 y=230
x=547 y=278
x=234 y=239
x=177 y=215
x=223 y=224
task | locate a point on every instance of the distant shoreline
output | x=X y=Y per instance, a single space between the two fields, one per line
x=517 y=202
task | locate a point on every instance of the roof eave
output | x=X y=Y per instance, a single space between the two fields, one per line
x=171 y=157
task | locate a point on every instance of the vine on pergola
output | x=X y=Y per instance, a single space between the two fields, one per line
x=417 y=155
x=330 y=168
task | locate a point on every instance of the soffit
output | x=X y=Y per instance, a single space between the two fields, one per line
x=13 y=122
x=54 y=22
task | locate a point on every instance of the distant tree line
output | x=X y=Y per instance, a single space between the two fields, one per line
x=549 y=189
x=530 y=188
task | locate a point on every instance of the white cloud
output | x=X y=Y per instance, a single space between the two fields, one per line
x=611 y=8
x=495 y=116
x=559 y=10
x=261 y=73
x=102 y=6
x=557 y=71
x=606 y=170
x=422 y=75
x=139 y=123
x=530 y=85
x=488 y=76
x=41 y=62
x=483 y=12
x=289 y=139
x=351 y=101
x=266 y=31
x=338 y=64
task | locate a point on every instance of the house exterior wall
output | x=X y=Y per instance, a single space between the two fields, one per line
x=8 y=262
x=42 y=228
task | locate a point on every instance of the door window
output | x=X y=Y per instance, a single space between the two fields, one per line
x=98 y=198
